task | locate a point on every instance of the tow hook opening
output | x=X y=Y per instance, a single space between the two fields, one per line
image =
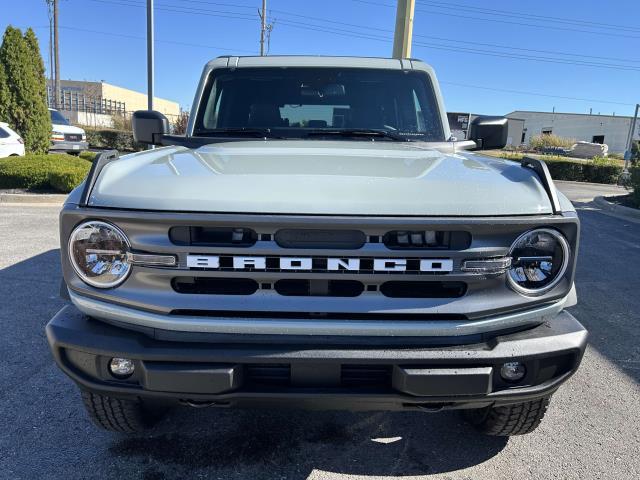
x=203 y=404
x=429 y=407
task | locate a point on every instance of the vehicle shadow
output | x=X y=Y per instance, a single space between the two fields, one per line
x=266 y=444
x=607 y=282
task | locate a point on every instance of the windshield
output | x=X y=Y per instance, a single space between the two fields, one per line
x=57 y=118
x=300 y=102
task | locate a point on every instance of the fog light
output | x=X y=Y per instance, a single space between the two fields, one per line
x=513 y=371
x=121 y=367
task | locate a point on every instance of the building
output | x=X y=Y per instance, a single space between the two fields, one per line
x=95 y=103
x=610 y=129
x=459 y=125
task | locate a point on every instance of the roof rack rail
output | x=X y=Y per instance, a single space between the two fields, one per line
x=98 y=164
x=542 y=170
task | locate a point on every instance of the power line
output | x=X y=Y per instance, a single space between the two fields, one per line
x=136 y=37
x=547 y=27
x=528 y=16
x=353 y=34
x=521 y=92
x=385 y=30
x=368 y=36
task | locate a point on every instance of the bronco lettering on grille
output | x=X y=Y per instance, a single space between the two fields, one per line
x=320 y=264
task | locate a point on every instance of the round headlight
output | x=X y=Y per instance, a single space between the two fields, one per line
x=98 y=253
x=539 y=259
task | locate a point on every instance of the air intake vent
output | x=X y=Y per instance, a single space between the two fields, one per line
x=214 y=286
x=427 y=240
x=366 y=376
x=327 y=239
x=423 y=289
x=213 y=236
x=319 y=288
x=268 y=374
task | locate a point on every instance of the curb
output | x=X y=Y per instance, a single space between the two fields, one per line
x=619 y=210
x=33 y=198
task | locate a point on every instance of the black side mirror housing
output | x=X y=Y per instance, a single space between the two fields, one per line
x=489 y=132
x=149 y=126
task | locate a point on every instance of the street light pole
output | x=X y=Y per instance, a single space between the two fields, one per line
x=404 y=29
x=150 y=54
x=263 y=26
x=632 y=131
x=56 y=57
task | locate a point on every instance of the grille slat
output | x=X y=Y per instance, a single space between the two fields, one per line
x=320 y=239
x=214 y=286
x=319 y=288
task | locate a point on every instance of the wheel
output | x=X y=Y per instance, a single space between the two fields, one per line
x=516 y=419
x=118 y=415
x=75 y=153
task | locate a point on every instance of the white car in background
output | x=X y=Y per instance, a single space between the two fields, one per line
x=64 y=136
x=11 y=144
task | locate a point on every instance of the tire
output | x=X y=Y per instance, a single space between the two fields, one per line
x=118 y=415
x=507 y=420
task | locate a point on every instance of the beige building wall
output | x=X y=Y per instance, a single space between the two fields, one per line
x=138 y=101
x=133 y=100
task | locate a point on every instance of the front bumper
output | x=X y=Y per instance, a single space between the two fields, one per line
x=66 y=146
x=318 y=376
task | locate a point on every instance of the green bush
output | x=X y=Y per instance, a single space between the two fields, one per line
x=635 y=153
x=540 y=142
x=66 y=180
x=113 y=139
x=88 y=155
x=635 y=183
x=601 y=170
x=36 y=172
x=511 y=155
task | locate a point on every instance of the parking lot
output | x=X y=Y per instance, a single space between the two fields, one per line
x=591 y=430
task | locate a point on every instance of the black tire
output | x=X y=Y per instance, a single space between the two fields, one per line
x=118 y=415
x=507 y=420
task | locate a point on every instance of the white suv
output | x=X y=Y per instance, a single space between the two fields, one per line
x=11 y=144
x=64 y=136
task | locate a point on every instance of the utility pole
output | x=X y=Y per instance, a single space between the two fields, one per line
x=50 y=90
x=56 y=49
x=150 y=54
x=404 y=29
x=632 y=131
x=263 y=26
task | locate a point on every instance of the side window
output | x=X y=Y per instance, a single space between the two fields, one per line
x=4 y=133
x=210 y=117
x=419 y=115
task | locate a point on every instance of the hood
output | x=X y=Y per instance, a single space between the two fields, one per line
x=320 y=177
x=58 y=127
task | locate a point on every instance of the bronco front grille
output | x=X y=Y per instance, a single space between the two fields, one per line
x=316 y=267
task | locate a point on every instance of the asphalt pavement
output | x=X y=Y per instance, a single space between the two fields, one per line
x=592 y=429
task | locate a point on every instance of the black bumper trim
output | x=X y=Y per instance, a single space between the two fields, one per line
x=72 y=335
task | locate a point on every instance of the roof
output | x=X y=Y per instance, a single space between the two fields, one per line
x=314 y=61
x=569 y=113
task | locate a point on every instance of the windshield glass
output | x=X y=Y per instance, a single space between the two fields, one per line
x=57 y=118
x=296 y=102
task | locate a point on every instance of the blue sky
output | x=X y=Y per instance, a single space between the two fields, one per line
x=491 y=57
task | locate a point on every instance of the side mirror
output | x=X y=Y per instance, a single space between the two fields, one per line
x=489 y=132
x=149 y=126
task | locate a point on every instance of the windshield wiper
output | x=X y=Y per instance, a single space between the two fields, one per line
x=360 y=132
x=238 y=131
